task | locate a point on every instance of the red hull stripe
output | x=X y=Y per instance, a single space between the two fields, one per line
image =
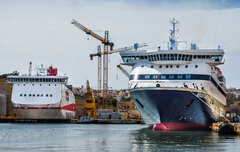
x=180 y=126
x=70 y=107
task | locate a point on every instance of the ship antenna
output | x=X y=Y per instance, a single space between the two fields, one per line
x=30 y=69
x=173 y=39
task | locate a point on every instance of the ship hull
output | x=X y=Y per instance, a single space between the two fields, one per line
x=51 y=111
x=173 y=109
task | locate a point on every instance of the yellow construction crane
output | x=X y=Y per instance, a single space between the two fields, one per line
x=89 y=108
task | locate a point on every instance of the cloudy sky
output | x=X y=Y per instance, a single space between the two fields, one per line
x=41 y=32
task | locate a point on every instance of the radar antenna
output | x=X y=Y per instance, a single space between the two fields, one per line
x=173 y=39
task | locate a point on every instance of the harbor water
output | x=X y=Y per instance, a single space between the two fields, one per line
x=99 y=137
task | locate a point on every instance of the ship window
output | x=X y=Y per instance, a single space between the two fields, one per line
x=179 y=56
x=203 y=56
x=168 y=56
x=151 y=66
x=194 y=56
x=160 y=66
x=166 y=66
x=183 y=57
x=155 y=76
x=154 y=58
x=50 y=95
x=20 y=95
x=25 y=95
x=208 y=57
x=171 y=77
x=30 y=95
x=37 y=95
x=196 y=66
x=164 y=56
x=175 y=56
x=147 y=76
x=171 y=66
x=32 y=84
x=41 y=95
x=160 y=56
x=44 y=80
x=188 y=76
x=177 y=66
x=40 y=84
x=186 y=66
x=37 y=79
x=199 y=56
x=46 y=95
x=49 y=84
x=163 y=76
x=33 y=95
x=179 y=76
x=171 y=56
x=142 y=66
x=190 y=57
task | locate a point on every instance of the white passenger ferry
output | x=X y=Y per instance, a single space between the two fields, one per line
x=177 y=89
x=43 y=95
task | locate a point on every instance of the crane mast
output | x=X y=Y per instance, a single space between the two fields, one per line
x=99 y=91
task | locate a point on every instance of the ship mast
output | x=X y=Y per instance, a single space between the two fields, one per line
x=172 y=38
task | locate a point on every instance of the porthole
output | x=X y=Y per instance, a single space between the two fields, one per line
x=196 y=66
x=177 y=66
x=186 y=66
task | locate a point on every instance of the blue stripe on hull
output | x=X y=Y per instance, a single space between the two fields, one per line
x=171 y=106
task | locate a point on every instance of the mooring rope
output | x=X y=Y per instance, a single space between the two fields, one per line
x=208 y=105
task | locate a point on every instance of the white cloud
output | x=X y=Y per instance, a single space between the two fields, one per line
x=40 y=31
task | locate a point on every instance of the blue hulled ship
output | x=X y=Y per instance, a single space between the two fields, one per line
x=177 y=89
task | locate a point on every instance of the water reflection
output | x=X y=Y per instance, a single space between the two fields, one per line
x=148 y=140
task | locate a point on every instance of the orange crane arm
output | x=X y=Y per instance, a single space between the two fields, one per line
x=87 y=31
x=118 y=50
